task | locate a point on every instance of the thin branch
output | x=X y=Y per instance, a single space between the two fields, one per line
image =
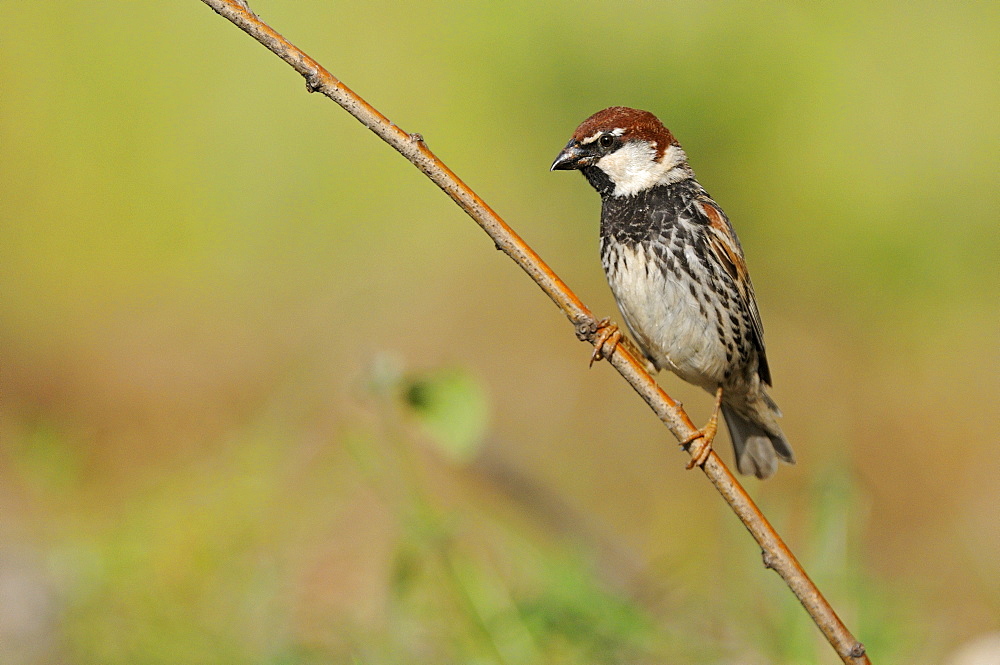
x=777 y=556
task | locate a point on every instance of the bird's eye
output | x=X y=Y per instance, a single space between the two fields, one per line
x=606 y=141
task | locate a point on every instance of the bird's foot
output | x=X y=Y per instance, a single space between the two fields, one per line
x=700 y=443
x=606 y=340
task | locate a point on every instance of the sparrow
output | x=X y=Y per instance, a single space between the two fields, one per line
x=678 y=274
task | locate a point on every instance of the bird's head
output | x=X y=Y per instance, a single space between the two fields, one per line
x=624 y=151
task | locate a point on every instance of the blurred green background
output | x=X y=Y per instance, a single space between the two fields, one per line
x=269 y=397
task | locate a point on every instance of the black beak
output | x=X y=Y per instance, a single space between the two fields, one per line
x=572 y=157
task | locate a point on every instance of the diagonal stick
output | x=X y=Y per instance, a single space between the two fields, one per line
x=776 y=554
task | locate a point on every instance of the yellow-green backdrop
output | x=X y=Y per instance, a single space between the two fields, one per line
x=267 y=396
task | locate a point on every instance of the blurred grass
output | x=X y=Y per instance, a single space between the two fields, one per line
x=198 y=261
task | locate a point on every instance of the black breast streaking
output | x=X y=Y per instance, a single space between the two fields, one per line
x=649 y=214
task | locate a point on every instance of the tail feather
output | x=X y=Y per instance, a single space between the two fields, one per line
x=757 y=449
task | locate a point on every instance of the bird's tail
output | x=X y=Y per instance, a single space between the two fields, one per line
x=757 y=446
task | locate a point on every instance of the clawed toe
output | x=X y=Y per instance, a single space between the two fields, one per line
x=607 y=337
x=699 y=444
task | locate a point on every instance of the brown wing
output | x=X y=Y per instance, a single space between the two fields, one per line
x=725 y=245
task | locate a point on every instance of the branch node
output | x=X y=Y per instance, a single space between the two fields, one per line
x=246 y=7
x=858 y=651
x=769 y=562
x=586 y=328
x=314 y=82
x=416 y=137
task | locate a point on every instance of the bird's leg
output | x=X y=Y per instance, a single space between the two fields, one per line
x=706 y=434
x=607 y=334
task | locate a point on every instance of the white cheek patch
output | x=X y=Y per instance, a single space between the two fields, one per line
x=633 y=167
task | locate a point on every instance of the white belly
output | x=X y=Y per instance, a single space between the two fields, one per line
x=676 y=328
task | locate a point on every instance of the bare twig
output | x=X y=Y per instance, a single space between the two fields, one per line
x=777 y=556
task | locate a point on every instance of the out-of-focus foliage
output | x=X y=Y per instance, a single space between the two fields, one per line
x=452 y=408
x=205 y=457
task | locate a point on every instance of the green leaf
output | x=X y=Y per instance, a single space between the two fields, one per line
x=452 y=408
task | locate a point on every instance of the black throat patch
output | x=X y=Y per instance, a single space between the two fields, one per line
x=599 y=180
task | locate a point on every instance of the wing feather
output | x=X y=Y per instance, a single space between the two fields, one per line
x=724 y=244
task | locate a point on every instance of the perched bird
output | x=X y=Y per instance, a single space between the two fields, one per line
x=677 y=271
